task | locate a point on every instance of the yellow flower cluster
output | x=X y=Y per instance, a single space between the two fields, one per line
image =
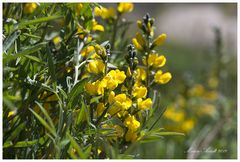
x=110 y=82
x=133 y=125
x=105 y=13
x=125 y=7
x=29 y=8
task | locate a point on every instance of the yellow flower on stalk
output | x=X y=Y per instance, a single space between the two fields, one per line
x=94 y=88
x=79 y=7
x=111 y=97
x=141 y=74
x=56 y=40
x=96 y=67
x=104 y=12
x=187 y=125
x=139 y=92
x=89 y=50
x=100 y=50
x=118 y=130
x=160 y=40
x=113 y=78
x=131 y=123
x=125 y=7
x=121 y=104
x=11 y=113
x=211 y=95
x=123 y=101
x=144 y=104
x=162 y=78
x=155 y=60
x=29 y=8
x=96 y=26
x=131 y=136
x=100 y=109
x=136 y=44
x=197 y=90
x=172 y=114
x=140 y=39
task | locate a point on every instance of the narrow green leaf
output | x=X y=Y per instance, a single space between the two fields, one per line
x=170 y=134
x=77 y=147
x=33 y=58
x=10 y=40
x=16 y=131
x=27 y=51
x=44 y=123
x=25 y=143
x=37 y=21
x=75 y=92
x=46 y=115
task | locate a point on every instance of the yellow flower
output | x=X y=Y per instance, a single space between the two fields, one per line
x=131 y=123
x=160 y=61
x=159 y=40
x=104 y=12
x=172 y=114
x=125 y=7
x=11 y=113
x=140 y=39
x=109 y=82
x=197 y=90
x=96 y=67
x=100 y=109
x=136 y=44
x=29 y=8
x=211 y=95
x=188 y=125
x=139 y=24
x=131 y=136
x=121 y=104
x=119 y=132
x=162 y=78
x=95 y=88
x=141 y=74
x=111 y=97
x=56 y=40
x=113 y=78
x=123 y=101
x=144 y=104
x=213 y=82
x=96 y=26
x=86 y=51
x=100 y=50
x=155 y=60
x=139 y=92
x=79 y=8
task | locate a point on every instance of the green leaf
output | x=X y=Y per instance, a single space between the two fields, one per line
x=46 y=115
x=25 y=143
x=33 y=58
x=95 y=99
x=83 y=114
x=27 y=51
x=25 y=23
x=44 y=123
x=170 y=134
x=76 y=146
x=16 y=131
x=75 y=92
x=10 y=40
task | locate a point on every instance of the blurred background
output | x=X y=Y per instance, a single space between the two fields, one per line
x=201 y=100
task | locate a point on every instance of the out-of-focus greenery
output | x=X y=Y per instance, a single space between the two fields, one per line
x=47 y=111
